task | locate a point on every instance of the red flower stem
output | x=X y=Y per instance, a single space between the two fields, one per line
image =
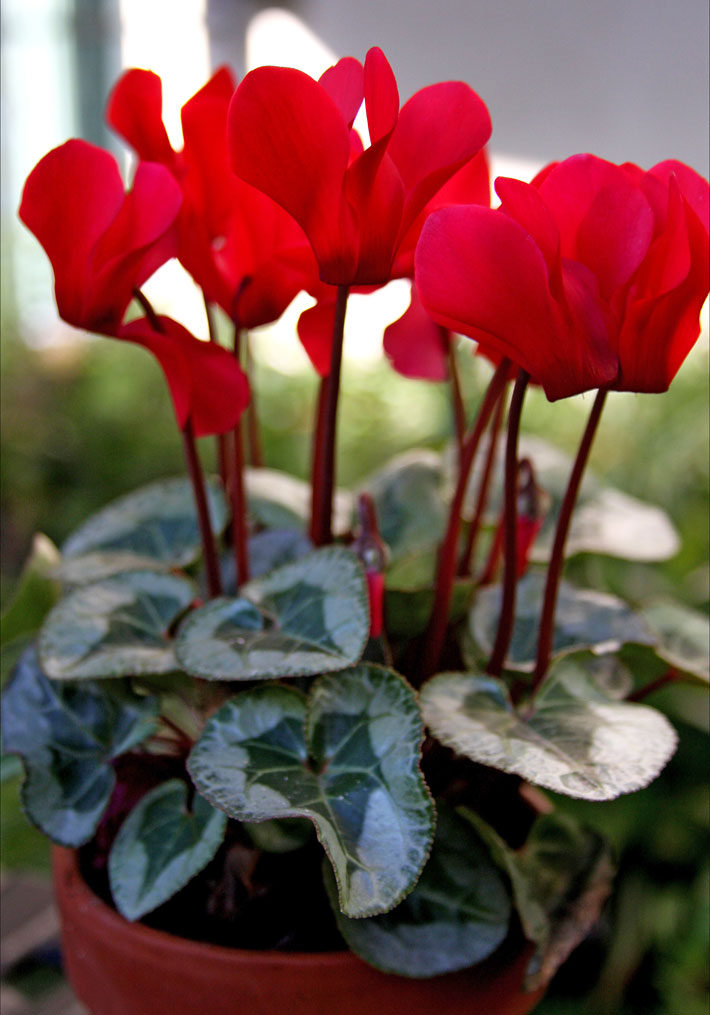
x=222 y=450
x=209 y=550
x=459 y=409
x=237 y=492
x=194 y=469
x=510 y=529
x=324 y=456
x=483 y=490
x=669 y=677
x=554 y=569
x=317 y=455
x=256 y=455
x=446 y=570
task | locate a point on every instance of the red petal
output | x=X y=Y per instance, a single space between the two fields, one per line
x=523 y=203
x=209 y=182
x=381 y=95
x=288 y=139
x=344 y=84
x=70 y=198
x=207 y=385
x=378 y=203
x=315 y=330
x=135 y=111
x=694 y=188
x=416 y=346
x=479 y=271
x=604 y=219
x=439 y=129
x=129 y=251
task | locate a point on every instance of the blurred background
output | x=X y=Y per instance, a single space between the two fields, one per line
x=86 y=419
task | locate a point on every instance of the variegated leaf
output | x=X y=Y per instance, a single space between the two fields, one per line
x=347 y=758
x=584 y=619
x=304 y=618
x=67 y=736
x=570 y=737
x=116 y=627
x=152 y=528
x=162 y=845
x=456 y=915
x=683 y=637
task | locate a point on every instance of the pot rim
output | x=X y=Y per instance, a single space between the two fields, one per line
x=69 y=881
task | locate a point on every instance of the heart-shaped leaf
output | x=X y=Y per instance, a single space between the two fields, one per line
x=347 y=758
x=152 y=528
x=161 y=846
x=584 y=619
x=410 y=501
x=116 y=627
x=67 y=736
x=683 y=637
x=304 y=618
x=456 y=915
x=570 y=737
x=279 y=501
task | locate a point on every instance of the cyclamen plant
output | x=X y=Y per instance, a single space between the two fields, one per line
x=240 y=670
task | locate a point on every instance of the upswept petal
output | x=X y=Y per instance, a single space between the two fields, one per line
x=69 y=200
x=523 y=203
x=694 y=188
x=135 y=111
x=668 y=260
x=416 y=346
x=658 y=332
x=344 y=84
x=479 y=271
x=208 y=181
x=439 y=129
x=378 y=203
x=604 y=219
x=381 y=95
x=127 y=253
x=288 y=139
x=207 y=385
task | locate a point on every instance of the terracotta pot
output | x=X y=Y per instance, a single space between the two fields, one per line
x=122 y=968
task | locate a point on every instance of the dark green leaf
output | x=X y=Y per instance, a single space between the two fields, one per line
x=346 y=758
x=116 y=627
x=410 y=501
x=304 y=618
x=584 y=619
x=67 y=736
x=571 y=737
x=161 y=846
x=279 y=835
x=456 y=915
x=152 y=528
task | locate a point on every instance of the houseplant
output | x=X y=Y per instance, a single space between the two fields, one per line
x=226 y=687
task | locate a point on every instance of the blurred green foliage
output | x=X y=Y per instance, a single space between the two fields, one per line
x=85 y=423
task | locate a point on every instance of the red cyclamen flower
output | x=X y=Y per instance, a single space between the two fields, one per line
x=242 y=249
x=591 y=275
x=292 y=138
x=103 y=244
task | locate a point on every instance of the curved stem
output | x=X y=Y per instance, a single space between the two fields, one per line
x=669 y=677
x=194 y=468
x=324 y=453
x=459 y=411
x=222 y=440
x=237 y=493
x=554 y=570
x=510 y=529
x=209 y=550
x=446 y=570
x=482 y=500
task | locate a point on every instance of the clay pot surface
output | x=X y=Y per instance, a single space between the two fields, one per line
x=122 y=968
